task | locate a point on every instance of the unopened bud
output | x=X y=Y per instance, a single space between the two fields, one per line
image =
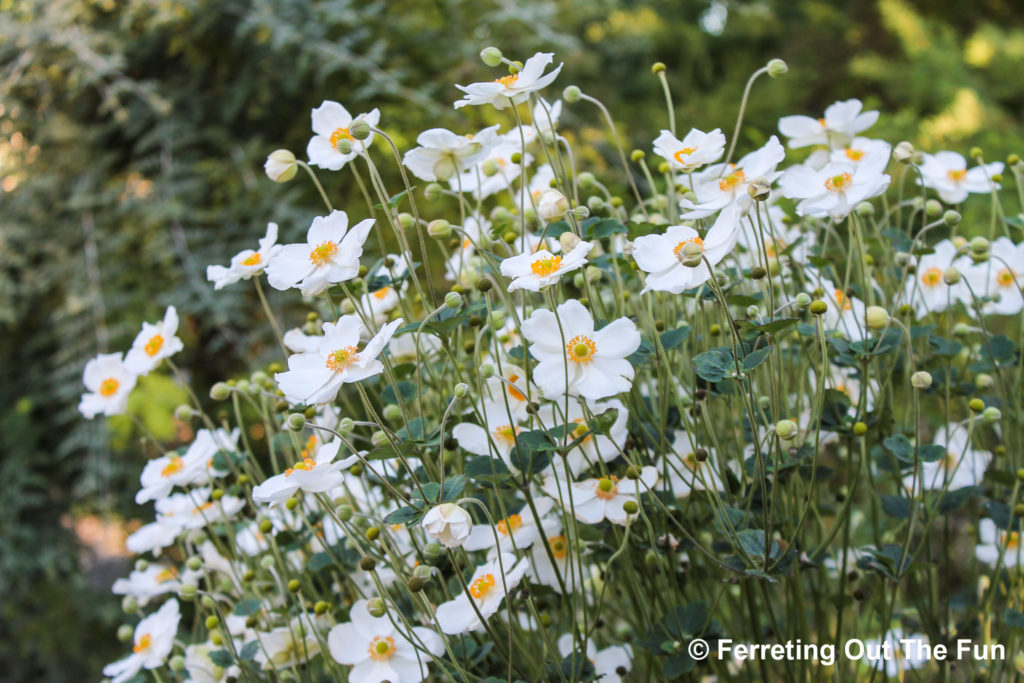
x=129 y=605
x=691 y=255
x=220 y=391
x=280 y=166
x=921 y=380
x=491 y=56
x=803 y=299
x=376 y=607
x=433 y=191
x=571 y=94
x=979 y=245
x=453 y=300
x=461 y=389
x=359 y=129
x=991 y=414
x=933 y=208
x=296 y=421
x=876 y=317
x=951 y=218
x=951 y=276
x=581 y=213
x=864 y=209
x=657 y=68
x=344 y=145
x=125 y=633
x=379 y=439
x=552 y=205
x=439 y=228
x=903 y=152
x=976 y=405
x=786 y=429
x=818 y=307
x=759 y=189
x=776 y=67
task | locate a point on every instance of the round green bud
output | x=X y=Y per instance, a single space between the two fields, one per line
x=188 y=592
x=580 y=213
x=753 y=311
x=433 y=191
x=359 y=129
x=692 y=255
x=653 y=561
x=903 y=152
x=292 y=503
x=876 y=317
x=921 y=380
x=818 y=307
x=984 y=381
x=933 y=208
x=423 y=572
x=630 y=507
x=141 y=565
x=1020 y=474
x=979 y=245
x=194 y=563
x=392 y=412
x=433 y=551
x=212 y=622
x=367 y=563
x=267 y=561
x=860 y=429
x=207 y=602
x=460 y=390
x=486 y=370
x=294 y=586
x=951 y=218
x=516 y=157
x=125 y=633
x=344 y=145
x=803 y=299
x=976 y=405
x=633 y=472
x=379 y=439
x=321 y=607
x=372 y=533
x=586 y=179
x=243 y=385
x=515 y=67
x=758 y=273
x=129 y=605
x=786 y=429
x=997 y=177
x=571 y=94
x=216 y=638
x=636 y=155
x=864 y=209
x=266 y=526
x=975 y=152
x=453 y=300
x=1013 y=160
x=346 y=425
x=715 y=330
x=991 y=414
x=439 y=228
x=961 y=330
x=344 y=513
x=484 y=285
x=296 y=421
x=216 y=494
x=376 y=607
x=183 y=413
x=415 y=584
x=491 y=56
x=176 y=663
x=951 y=276
x=759 y=189
x=657 y=68
x=220 y=391
x=776 y=67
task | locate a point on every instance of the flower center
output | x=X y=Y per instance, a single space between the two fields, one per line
x=838 y=183
x=691 y=461
x=306 y=465
x=932 y=277
x=252 y=259
x=1005 y=278
x=1011 y=539
x=199 y=509
x=730 y=181
x=822 y=123
x=323 y=252
x=684 y=152
x=842 y=301
x=109 y=387
x=342 y=358
x=381 y=293
x=607 y=488
x=382 y=648
x=509 y=524
x=581 y=349
x=956 y=176
x=482 y=586
x=854 y=154
x=513 y=392
x=174 y=465
x=507 y=81
x=543 y=267
x=506 y=433
x=143 y=643
x=339 y=135
x=949 y=462
x=153 y=346
x=682 y=245
x=580 y=430
x=167 y=575
x=559 y=546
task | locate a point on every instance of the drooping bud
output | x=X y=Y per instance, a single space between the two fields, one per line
x=453 y=300
x=776 y=67
x=439 y=228
x=552 y=205
x=903 y=152
x=359 y=129
x=571 y=94
x=921 y=380
x=786 y=429
x=281 y=166
x=876 y=317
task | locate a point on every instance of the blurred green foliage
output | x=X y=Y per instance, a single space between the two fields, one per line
x=132 y=135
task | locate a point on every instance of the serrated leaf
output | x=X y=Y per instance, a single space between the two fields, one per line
x=404 y=515
x=714 y=365
x=900 y=446
x=673 y=338
x=453 y=488
x=756 y=357
x=249 y=650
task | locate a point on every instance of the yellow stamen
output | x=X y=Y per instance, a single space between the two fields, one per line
x=167 y=574
x=932 y=277
x=174 y=465
x=842 y=300
x=854 y=154
x=509 y=524
x=109 y=387
x=507 y=81
x=581 y=349
x=252 y=259
x=143 y=643
x=342 y=358
x=956 y=176
x=684 y=152
x=323 y=252
x=506 y=433
x=382 y=648
x=693 y=240
x=838 y=183
x=607 y=488
x=1005 y=278
x=306 y=465
x=482 y=586
x=732 y=180
x=339 y=135
x=543 y=267
x=559 y=546
x=153 y=346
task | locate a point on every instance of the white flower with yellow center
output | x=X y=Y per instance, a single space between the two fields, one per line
x=947 y=174
x=835 y=189
x=845 y=312
x=719 y=186
x=863 y=151
x=486 y=589
x=155 y=342
x=575 y=358
x=508 y=390
x=109 y=383
x=316 y=472
x=540 y=269
x=517 y=531
x=316 y=377
x=514 y=88
x=841 y=123
x=154 y=580
x=685 y=472
x=610 y=664
x=545 y=116
x=595 y=500
x=999 y=279
x=678 y=259
x=246 y=263
x=384 y=298
x=378 y=652
x=496 y=437
x=194 y=509
x=495 y=173
x=993 y=542
x=333 y=146
x=926 y=289
x=961 y=466
x=693 y=151
x=152 y=642
x=594 y=447
x=196 y=466
x=546 y=568
x=330 y=255
x=442 y=153
x=286 y=646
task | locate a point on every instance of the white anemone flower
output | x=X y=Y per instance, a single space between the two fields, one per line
x=993 y=542
x=999 y=279
x=947 y=174
x=841 y=123
x=547 y=568
x=495 y=173
x=835 y=189
x=330 y=255
x=109 y=383
x=487 y=589
x=693 y=151
x=331 y=123
x=961 y=466
x=662 y=256
x=448 y=524
x=507 y=390
x=313 y=474
x=863 y=150
x=719 y=186
x=196 y=466
x=545 y=115
x=297 y=341
x=518 y=531
x=575 y=358
x=378 y=652
x=595 y=500
x=247 y=263
x=315 y=377
x=155 y=342
x=512 y=89
x=154 y=580
x=441 y=153
x=496 y=437
x=610 y=664
x=595 y=447
x=152 y=642
x=926 y=289
x=540 y=269
x=287 y=646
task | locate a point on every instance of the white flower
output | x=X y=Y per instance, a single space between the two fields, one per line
x=495 y=173
x=961 y=466
x=449 y=524
x=891 y=655
x=552 y=205
x=289 y=645
x=497 y=436
x=378 y=652
x=610 y=664
x=545 y=115
x=540 y=269
x=297 y=341
x=546 y=572
x=201 y=669
x=518 y=531
x=594 y=500
x=593 y=448
x=999 y=279
x=947 y=174
x=842 y=121
x=993 y=542
x=162 y=474
x=514 y=88
x=926 y=289
x=442 y=153
x=662 y=256
x=695 y=150
x=154 y=343
x=109 y=382
x=331 y=122
x=246 y=263
x=313 y=474
x=509 y=386
x=576 y=359
x=719 y=186
x=685 y=472
x=330 y=255
x=487 y=589
x=154 y=580
x=316 y=377
x=835 y=189
x=152 y=642
x=863 y=150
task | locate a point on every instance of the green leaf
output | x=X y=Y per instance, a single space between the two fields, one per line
x=404 y=515
x=756 y=357
x=605 y=227
x=248 y=607
x=485 y=467
x=896 y=506
x=453 y=488
x=900 y=446
x=688 y=620
x=677 y=665
x=715 y=364
x=407 y=390
x=954 y=500
x=415 y=429
x=320 y=561
x=221 y=658
x=776 y=326
x=673 y=338
x=249 y=650
x=943 y=347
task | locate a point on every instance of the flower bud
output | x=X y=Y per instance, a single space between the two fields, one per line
x=281 y=166
x=267 y=561
x=921 y=380
x=976 y=405
x=991 y=414
x=984 y=381
x=188 y=591
x=291 y=503
x=864 y=209
x=183 y=413
x=448 y=524
x=860 y=429
x=581 y=213
x=759 y=189
x=657 y=68
x=296 y=421
x=346 y=425
x=414 y=584
x=571 y=94
x=460 y=390
x=212 y=622
x=951 y=218
x=691 y=255
x=903 y=152
x=321 y=607
x=423 y=572
x=125 y=633
x=753 y=311
x=818 y=307
x=129 y=605
x=979 y=245
x=379 y=439
x=630 y=507
x=786 y=429
x=376 y=607
x=776 y=67
x=433 y=191
x=453 y=300
x=294 y=586
x=552 y=205
x=486 y=370
x=951 y=276
x=176 y=663
x=876 y=317
x=439 y=229
x=803 y=299
x=933 y=208
x=359 y=129
x=344 y=145
x=220 y=391
x=367 y=563
x=392 y=412
x=194 y=563
x=491 y=56
x=344 y=513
